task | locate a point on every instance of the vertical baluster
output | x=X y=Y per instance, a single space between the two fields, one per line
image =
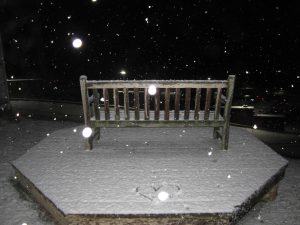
x=207 y=104
x=167 y=104
x=187 y=103
x=197 y=103
x=136 y=104
x=126 y=104
x=96 y=97
x=146 y=104
x=218 y=104
x=177 y=104
x=106 y=103
x=157 y=104
x=116 y=104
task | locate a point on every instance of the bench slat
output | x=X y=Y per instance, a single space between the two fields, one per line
x=157 y=104
x=146 y=104
x=126 y=104
x=136 y=104
x=197 y=103
x=162 y=123
x=91 y=84
x=187 y=103
x=177 y=104
x=167 y=104
x=106 y=103
x=116 y=104
x=207 y=103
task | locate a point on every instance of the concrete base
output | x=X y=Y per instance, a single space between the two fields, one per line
x=119 y=181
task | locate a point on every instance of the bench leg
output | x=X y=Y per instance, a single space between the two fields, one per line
x=98 y=133
x=89 y=143
x=225 y=137
x=215 y=134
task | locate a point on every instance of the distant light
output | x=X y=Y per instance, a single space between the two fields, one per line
x=12 y=77
x=247 y=72
x=229 y=176
x=209 y=153
x=147 y=20
x=75 y=130
x=292 y=85
x=24 y=224
x=87 y=132
x=94 y=0
x=18 y=114
x=48 y=134
x=123 y=72
x=163 y=196
x=19 y=89
x=77 y=43
x=152 y=90
x=102 y=99
x=255 y=127
x=69 y=17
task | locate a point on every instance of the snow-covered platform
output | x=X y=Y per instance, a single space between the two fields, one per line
x=121 y=180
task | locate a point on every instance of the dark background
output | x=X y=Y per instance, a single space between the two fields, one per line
x=256 y=40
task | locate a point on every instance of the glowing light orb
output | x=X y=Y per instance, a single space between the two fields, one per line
x=77 y=43
x=123 y=72
x=163 y=196
x=87 y=132
x=94 y=0
x=255 y=127
x=152 y=90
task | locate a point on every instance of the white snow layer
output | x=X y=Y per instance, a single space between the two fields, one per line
x=16 y=207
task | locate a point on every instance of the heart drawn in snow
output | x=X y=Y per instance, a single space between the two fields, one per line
x=158 y=192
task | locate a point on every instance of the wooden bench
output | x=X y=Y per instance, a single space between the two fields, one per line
x=176 y=103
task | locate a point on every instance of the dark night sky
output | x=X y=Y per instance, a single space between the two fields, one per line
x=254 y=39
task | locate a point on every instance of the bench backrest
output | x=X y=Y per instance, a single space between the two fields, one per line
x=130 y=103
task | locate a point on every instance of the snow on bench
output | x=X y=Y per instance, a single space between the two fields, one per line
x=157 y=103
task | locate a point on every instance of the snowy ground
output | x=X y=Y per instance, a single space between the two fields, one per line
x=17 y=208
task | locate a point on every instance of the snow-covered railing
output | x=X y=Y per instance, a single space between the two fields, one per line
x=157 y=103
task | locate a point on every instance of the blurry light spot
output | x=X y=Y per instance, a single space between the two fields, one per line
x=152 y=90
x=123 y=72
x=77 y=43
x=229 y=176
x=102 y=99
x=163 y=196
x=48 y=134
x=18 y=114
x=255 y=127
x=75 y=130
x=94 y=0
x=19 y=89
x=209 y=153
x=87 y=132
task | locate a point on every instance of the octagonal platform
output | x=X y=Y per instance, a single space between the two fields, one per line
x=120 y=181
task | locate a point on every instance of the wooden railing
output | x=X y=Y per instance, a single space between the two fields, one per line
x=176 y=103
